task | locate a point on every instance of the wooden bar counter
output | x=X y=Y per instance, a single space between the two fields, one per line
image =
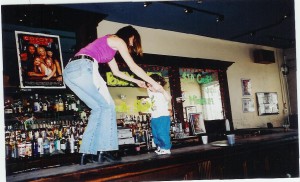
x=271 y=155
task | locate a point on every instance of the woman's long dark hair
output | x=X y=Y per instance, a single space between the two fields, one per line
x=125 y=33
x=159 y=79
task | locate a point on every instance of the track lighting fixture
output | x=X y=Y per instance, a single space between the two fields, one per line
x=252 y=34
x=272 y=38
x=188 y=10
x=146 y=4
x=220 y=18
x=284 y=69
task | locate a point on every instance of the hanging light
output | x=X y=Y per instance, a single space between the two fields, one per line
x=146 y=4
x=188 y=10
x=252 y=34
x=220 y=18
x=284 y=69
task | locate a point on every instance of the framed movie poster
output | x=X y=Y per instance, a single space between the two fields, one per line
x=197 y=123
x=39 y=60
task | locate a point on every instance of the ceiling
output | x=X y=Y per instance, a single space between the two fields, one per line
x=262 y=22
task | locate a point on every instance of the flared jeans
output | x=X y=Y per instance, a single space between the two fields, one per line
x=101 y=131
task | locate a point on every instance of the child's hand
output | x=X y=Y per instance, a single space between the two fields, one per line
x=151 y=88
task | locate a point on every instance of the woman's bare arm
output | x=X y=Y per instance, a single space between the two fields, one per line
x=115 y=70
x=120 y=45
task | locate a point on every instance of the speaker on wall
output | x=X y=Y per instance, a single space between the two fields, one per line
x=263 y=56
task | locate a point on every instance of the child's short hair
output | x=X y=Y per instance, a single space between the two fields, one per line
x=159 y=79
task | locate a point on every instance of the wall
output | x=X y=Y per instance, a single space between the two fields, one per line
x=264 y=77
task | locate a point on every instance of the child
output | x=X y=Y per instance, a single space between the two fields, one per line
x=160 y=116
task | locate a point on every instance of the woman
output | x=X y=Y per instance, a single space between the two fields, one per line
x=51 y=69
x=82 y=77
x=57 y=65
x=39 y=68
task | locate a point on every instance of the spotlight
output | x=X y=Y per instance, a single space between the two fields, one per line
x=146 y=4
x=188 y=10
x=220 y=18
x=252 y=34
x=284 y=69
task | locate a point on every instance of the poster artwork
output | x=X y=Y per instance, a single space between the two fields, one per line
x=39 y=60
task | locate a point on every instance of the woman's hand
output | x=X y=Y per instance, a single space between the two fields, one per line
x=59 y=78
x=141 y=84
x=46 y=78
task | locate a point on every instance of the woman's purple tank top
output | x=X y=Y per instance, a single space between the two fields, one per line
x=99 y=50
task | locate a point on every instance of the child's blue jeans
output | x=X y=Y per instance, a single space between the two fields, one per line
x=161 y=131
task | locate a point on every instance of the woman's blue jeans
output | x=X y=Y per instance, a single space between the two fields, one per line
x=160 y=128
x=101 y=132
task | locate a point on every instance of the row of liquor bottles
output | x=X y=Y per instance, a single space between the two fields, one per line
x=26 y=142
x=35 y=139
x=34 y=131
x=41 y=104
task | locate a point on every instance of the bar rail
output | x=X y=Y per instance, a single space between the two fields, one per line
x=274 y=155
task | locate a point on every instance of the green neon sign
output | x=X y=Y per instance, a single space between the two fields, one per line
x=190 y=77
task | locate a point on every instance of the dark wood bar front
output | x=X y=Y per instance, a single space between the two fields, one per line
x=271 y=155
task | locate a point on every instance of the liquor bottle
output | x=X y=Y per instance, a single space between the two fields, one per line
x=55 y=104
x=28 y=149
x=8 y=149
x=172 y=128
x=60 y=104
x=78 y=104
x=14 y=150
x=36 y=104
x=46 y=145
x=51 y=145
x=80 y=133
x=8 y=108
x=45 y=104
x=67 y=103
x=186 y=128
x=40 y=145
x=57 y=144
x=72 y=143
x=73 y=103
x=30 y=104
x=21 y=149
x=63 y=144
x=28 y=146
x=34 y=145
x=76 y=143
x=19 y=106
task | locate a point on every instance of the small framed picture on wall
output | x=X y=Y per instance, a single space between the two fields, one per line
x=246 y=87
x=248 y=105
x=197 y=123
x=267 y=103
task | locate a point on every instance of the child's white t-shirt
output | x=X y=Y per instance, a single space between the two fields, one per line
x=159 y=104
